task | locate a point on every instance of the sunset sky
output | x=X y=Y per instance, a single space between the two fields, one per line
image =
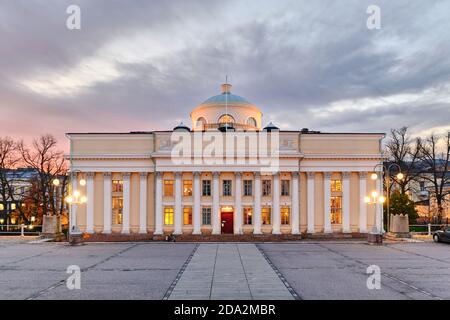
x=143 y=65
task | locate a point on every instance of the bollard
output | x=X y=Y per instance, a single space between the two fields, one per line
x=429 y=229
x=22 y=226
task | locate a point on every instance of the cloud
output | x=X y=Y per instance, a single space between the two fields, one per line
x=141 y=65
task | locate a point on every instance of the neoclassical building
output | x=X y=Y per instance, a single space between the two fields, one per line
x=226 y=174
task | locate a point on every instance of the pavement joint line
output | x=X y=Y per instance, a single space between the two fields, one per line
x=243 y=269
x=417 y=254
x=180 y=273
x=60 y=282
x=214 y=271
x=392 y=277
x=280 y=275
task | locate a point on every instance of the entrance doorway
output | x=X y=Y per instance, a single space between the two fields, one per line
x=227 y=222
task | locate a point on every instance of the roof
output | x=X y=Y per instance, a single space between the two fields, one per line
x=226 y=98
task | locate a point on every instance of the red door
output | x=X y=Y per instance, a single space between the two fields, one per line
x=227 y=222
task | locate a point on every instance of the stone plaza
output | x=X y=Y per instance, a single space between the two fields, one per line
x=229 y=271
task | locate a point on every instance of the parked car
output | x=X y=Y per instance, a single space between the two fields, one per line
x=442 y=236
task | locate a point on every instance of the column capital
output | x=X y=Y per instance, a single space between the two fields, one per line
x=295 y=174
x=158 y=174
x=143 y=174
x=310 y=175
x=90 y=174
x=107 y=174
x=178 y=174
x=196 y=173
x=346 y=175
x=215 y=174
x=363 y=175
x=257 y=174
x=238 y=174
x=126 y=175
x=327 y=175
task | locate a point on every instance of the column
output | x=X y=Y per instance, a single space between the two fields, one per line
x=295 y=204
x=257 y=201
x=238 y=204
x=143 y=202
x=73 y=207
x=276 y=204
x=158 y=204
x=126 y=203
x=379 y=206
x=346 y=202
x=197 y=209
x=362 y=204
x=90 y=202
x=178 y=209
x=326 y=202
x=310 y=204
x=107 y=202
x=215 y=205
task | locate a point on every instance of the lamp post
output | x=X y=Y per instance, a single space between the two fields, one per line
x=375 y=198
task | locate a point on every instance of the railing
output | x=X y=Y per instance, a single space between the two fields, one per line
x=428 y=229
x=236 y=126
x=20 y=229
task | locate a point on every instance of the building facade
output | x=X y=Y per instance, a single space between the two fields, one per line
x=304 y=181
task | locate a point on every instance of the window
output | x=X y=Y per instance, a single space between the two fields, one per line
x=206 y=216
x=2 y=207
x=187 y=188
x=13 y=206
x=226 y=187
x=266 y=215
x=251 y=122
x=285 y=215
x=117 y=209
x=206 y=188
x=285 y=187
x=248 y=187
x=422 y=185
x=168 y=188
x=201 y=122
x=168 y=215
x=248 y=215
x=336 y=210
x=226 y=118
x=266 y=187
x=336 y=185
x=187 y=215
x=117 y=186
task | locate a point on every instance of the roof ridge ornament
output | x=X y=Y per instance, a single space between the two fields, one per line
x=226 y=88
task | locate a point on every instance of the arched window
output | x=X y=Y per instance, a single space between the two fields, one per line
x=201 y=122
x=252 y=122
x=226 y=118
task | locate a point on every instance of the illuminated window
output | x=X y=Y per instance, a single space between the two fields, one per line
x=13 y=206
x=117 y=186
x=168 y=188
x=336 y=210
x=187 y=215
x=336 y=185
x=168 y=215
x=248 y=187
x=206 y=216
x=226 y=118
x=266 y=215
x=285 y=215
x=285 y=187
x=187 y=188
x=206 y=188
x=266 y=187
x=226 y=187
x=251 y=122
x=2 y=207
x=248 y=215
x=117 y=209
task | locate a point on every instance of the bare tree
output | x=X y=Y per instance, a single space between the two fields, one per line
x=9 y=160
x=50 y=164
x=435 y=155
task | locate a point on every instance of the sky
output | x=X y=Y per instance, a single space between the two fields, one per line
x=144 y=65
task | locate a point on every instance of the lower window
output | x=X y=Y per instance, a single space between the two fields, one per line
x=285 y=215
x=206 y=216
x=248 y=215
x=187 y=215
x=336 y=210
x=168 y=215
x=266 y=215
x=117 y=210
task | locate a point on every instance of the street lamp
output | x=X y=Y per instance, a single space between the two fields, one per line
x=387 y=178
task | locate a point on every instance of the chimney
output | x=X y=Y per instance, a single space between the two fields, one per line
x=226 y=88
